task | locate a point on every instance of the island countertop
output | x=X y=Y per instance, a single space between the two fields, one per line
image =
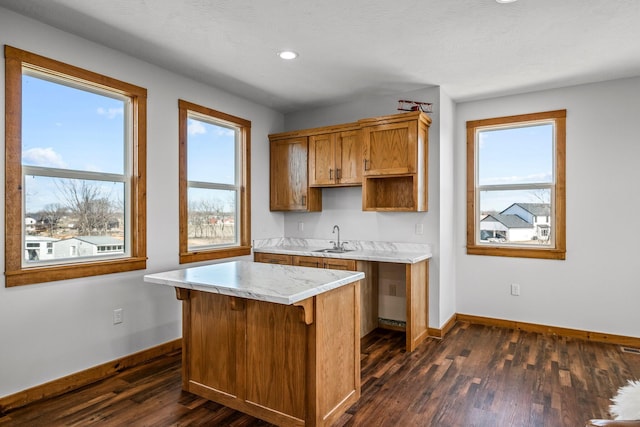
x=282 y=284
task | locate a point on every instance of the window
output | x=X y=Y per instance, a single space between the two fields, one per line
x=214 y=184
x=516 y=186
x=75 y=170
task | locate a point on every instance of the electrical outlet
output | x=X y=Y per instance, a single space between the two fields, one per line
x=419 y=228
x=515 y=289
x=301 y=226
x=117 y=316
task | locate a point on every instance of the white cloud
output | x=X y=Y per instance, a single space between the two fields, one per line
x=225 y=131
x=196 y=128
x=110 y=113
x=43 y=157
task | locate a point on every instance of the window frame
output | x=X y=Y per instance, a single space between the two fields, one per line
x=558 y=188
x=15 y=273
x=244 y=182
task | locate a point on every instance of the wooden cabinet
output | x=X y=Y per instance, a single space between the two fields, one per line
x=416 y=281
x=395 y=159
x=368 y=285
x=272 y=258
x=320 y=262
x=289 y=186
x=387 y=155
x=290 y=365
x=335 y=159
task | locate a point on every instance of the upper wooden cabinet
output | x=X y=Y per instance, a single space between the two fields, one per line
x=289 y=187
x=396 y=144
x=395 y=159
x=387 y=155
x=335 y=159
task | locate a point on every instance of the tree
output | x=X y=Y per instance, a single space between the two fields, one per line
x=51 y=216
x=90 y=203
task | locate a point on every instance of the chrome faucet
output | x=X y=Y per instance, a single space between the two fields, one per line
x=336 y=245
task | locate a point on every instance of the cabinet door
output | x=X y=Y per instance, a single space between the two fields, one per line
x=307 y=261
x=288 y=177
x=390 y=149
x=272 y=258
x=322 y=154
x=339 y=264
x=349 y=157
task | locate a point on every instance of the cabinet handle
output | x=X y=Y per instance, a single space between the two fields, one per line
x=366 y=164
x=331 y=174
x=338 y=173
x=304 y=200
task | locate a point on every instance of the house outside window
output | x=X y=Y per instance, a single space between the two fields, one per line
x=214 y=199
x=516 y=178
x=75 y=160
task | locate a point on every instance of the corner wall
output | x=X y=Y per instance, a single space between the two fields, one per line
x=596 y=287
x=51 y=330
x=343 y=206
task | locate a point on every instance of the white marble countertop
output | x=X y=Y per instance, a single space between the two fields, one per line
x=403 y=253
x=282 y=284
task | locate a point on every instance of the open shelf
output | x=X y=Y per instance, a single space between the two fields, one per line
x=395 y=193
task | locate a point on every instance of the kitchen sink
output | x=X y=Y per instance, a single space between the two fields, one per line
x=333 y=250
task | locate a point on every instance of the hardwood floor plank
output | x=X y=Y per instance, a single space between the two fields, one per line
x=476 y=376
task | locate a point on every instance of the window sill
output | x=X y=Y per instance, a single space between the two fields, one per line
x=209 y=255
x=541 y=253
x=72 y=271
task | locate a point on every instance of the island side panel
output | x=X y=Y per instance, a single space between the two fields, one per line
x=276 y=360
x=336 y=346
x=417 y=286
x=215 y=347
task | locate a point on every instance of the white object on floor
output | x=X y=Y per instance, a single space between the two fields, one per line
x=626 y=404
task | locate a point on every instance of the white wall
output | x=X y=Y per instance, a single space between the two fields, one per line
x=51 y=330
x=597 y=287
x=447 y=266
x=343 y=206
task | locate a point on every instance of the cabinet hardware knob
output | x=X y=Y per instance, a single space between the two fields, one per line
x=331 y=174
x=366 y=164
x=304 y=200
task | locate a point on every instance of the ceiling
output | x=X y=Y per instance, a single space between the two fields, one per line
x=472 y=49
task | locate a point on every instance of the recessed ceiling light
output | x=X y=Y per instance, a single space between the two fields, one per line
x=506 y=1
x=287 y=54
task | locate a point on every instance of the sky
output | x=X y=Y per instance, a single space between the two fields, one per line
x=511 y=156
x=68 y=128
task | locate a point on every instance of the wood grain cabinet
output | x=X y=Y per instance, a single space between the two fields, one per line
x=335 y=159
x=290 y=365
x=387 y=155
x=368 y=285
x=395 y=159
x=416 y=278
x=273 y=258
x=289 y=185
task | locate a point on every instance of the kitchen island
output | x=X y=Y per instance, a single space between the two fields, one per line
x=280 y=343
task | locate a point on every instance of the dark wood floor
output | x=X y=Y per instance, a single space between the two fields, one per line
x=476 y=376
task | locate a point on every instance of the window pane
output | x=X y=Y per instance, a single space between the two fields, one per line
x=68 y=128
x=211 y=152
x=75 y=218
x=516 y=155
x=517 y=216
x=212 y=218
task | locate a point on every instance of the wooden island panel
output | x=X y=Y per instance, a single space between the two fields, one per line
x=290 y=365
x=417 y=290
x=276 y=357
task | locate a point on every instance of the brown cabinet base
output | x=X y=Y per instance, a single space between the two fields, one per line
x=290 y=365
